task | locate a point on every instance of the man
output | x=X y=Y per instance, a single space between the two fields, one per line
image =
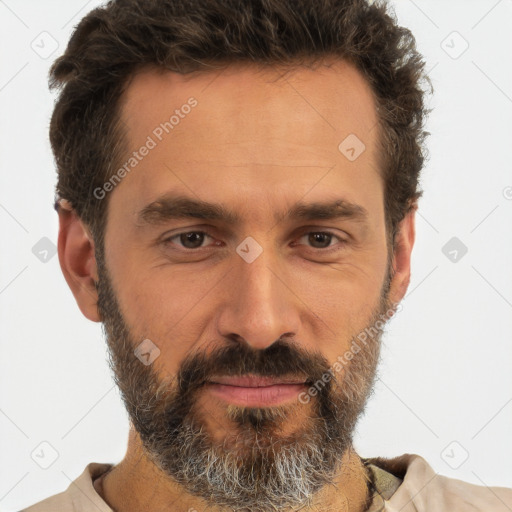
x=237 y=190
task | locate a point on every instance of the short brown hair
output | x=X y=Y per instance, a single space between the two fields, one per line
x=113 y=42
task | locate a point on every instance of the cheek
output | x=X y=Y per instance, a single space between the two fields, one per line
x=156 y=310
x=350 y=281
x=344 y=297
x=162 y=294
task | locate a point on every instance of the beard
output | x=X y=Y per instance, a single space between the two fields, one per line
x=261 y=464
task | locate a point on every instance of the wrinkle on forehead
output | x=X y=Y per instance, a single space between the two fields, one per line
x=287 y=106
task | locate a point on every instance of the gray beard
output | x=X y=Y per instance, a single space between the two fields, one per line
x=254 y=469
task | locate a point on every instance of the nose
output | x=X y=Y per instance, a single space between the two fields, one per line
x=260 y=306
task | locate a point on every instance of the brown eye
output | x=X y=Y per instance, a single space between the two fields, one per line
x=320 y=240
x=189 y=239
x=192 y=240
x=323 y=241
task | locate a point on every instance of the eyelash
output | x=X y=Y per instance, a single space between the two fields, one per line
x=341 y=241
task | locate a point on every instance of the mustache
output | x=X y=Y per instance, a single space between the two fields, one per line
x=281 y=359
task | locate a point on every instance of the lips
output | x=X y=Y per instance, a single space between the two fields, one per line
x=255 y=390
x=254 y=381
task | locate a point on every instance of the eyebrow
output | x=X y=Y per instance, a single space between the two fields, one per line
x=171 y=207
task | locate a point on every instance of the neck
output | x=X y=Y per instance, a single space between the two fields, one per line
x=137 y=484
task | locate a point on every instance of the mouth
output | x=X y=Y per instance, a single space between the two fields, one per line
x=256 y=391
x=256 y=381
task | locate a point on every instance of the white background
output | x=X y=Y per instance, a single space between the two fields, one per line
x=446 y=382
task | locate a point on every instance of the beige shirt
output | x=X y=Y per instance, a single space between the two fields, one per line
x=402 y=484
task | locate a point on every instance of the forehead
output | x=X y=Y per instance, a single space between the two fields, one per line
x=251 y=129
x=332 y=95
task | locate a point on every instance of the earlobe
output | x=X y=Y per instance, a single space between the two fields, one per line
x=78 y=262
x=402 y=257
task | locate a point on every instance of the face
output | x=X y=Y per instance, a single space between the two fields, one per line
x=244 y=243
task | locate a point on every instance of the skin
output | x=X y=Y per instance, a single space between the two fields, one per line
x=258 y=143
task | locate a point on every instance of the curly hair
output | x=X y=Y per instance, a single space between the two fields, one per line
x=115 y=41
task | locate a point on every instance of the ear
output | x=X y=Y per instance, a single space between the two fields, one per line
x=402 y=256
x=77 y=260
